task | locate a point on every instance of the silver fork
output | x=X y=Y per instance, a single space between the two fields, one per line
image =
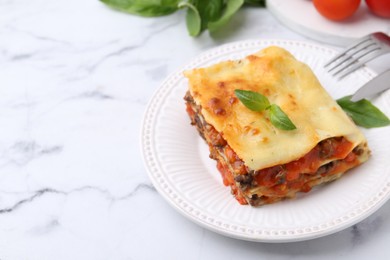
x=359 y=53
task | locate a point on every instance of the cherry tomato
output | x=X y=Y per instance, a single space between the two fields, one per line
x=379 y=7
x=337 y=10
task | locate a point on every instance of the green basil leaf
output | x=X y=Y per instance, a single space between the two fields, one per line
x=193 y=19
x=209 y=10
x=232 y=6
x=255 y=2
x=213 y=10
x=279 y=119
x=252 y=100
x=363 y=112
x=147 y=8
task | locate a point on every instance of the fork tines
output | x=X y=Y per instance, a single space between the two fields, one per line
x=360 y=52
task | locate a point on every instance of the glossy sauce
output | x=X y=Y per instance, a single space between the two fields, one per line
x=295 y=174
x=278 y=180
x=228 y=180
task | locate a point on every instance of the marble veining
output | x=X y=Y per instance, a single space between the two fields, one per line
x=75 y=79
x=37 y=194
x=22 y=152
x=27 y=200
x=361 y=231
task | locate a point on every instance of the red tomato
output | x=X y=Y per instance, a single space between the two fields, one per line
x=337 y=10
x=379 y=7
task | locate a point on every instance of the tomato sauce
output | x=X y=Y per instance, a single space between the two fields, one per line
x=296 y=174
x=278 y=180
x=228 y=180
x=190 y=111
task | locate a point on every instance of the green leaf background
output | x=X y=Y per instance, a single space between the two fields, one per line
x=363 y=113
x=232 y=6
x=193 y=19
x=147 y=8
x=201 y=14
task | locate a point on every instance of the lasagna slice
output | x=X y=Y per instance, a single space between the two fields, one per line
x=261 y=163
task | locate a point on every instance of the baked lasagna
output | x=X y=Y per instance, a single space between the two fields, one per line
x=261 y=163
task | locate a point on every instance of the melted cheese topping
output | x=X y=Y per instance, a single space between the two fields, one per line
x=292 y=85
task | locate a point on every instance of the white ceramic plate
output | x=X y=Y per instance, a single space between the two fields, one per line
x=178 y=164
x=302 y=17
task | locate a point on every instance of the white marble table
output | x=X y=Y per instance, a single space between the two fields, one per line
x=75 y=78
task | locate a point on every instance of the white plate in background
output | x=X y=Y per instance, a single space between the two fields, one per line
x=302 y=17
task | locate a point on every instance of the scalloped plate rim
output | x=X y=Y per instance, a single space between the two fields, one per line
x=152 y=169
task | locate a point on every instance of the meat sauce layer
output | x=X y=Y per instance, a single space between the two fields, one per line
x=276 y=182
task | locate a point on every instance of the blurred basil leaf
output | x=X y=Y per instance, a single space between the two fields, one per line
x=209 y=10
x=193 y=19
x=363 y=112
x=148 y=8
x=201 y=14
x=255 y=2
x=232 y=6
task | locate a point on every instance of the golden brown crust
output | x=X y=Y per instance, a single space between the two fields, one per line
x=275 y=73
x=326 y=162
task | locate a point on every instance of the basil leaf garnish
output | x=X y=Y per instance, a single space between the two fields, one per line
x=257 y=102
x=252 y=100
x=279 y=119
x=363 y=112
